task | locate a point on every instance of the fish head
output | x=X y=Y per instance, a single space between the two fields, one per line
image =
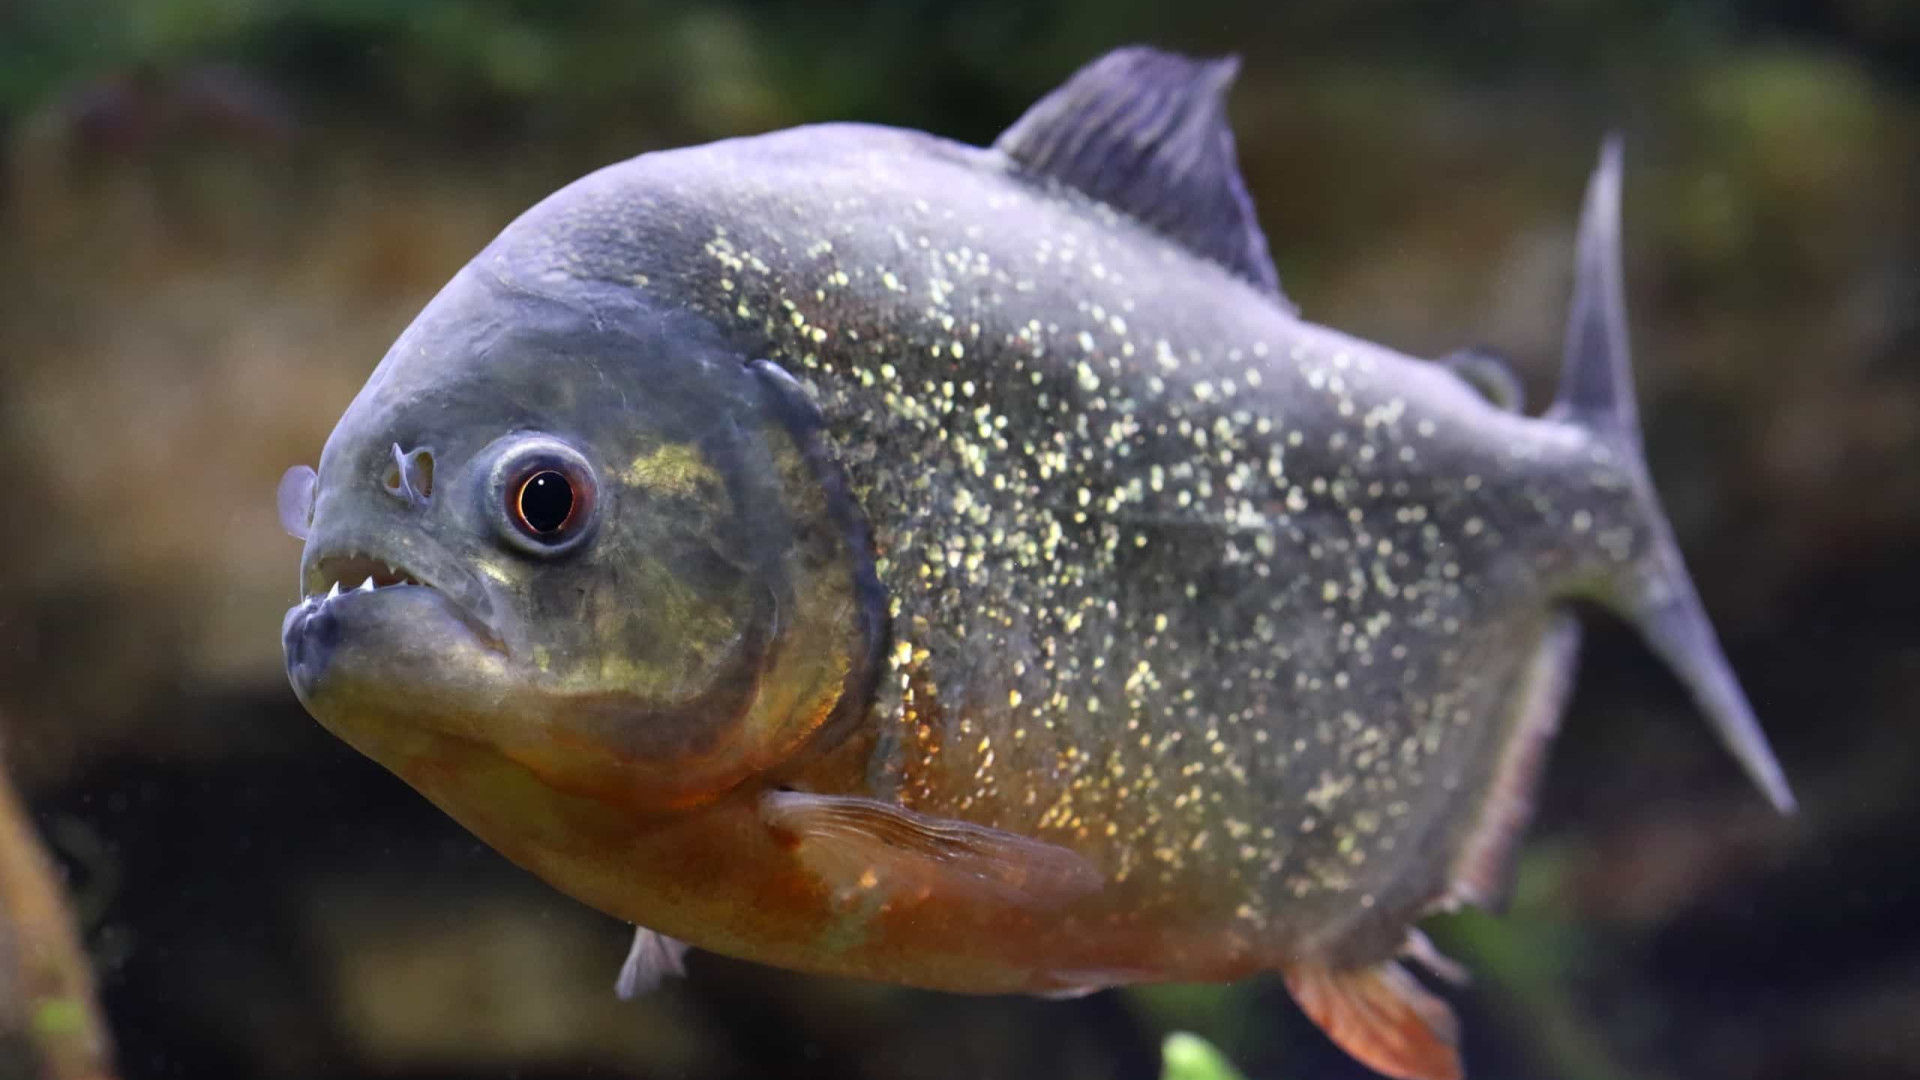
x=574 y=534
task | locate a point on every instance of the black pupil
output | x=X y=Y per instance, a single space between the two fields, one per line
x=546 y=501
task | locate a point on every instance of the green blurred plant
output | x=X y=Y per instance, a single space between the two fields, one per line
x=1184 y=1056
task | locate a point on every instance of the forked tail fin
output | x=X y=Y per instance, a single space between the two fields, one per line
x=1596 y=392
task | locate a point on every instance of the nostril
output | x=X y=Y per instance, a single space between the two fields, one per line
x=409 y=474
x=420 y=466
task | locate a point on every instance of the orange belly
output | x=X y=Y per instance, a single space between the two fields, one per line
x=721 y=879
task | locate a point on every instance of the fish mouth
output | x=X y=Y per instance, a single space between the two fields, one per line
x=334 y=574
x=335 y=582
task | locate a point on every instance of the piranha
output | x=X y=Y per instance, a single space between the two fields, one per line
x=873 y=555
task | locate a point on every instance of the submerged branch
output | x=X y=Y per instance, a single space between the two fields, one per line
x=47 y=1006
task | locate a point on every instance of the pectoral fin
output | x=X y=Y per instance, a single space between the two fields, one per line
x=861 y=846
x=652 y=959
x=1080 y=983
x=1382 y=1016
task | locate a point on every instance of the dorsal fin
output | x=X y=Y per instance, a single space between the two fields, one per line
x=1146 y=132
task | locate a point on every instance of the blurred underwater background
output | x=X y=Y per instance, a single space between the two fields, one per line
x=215 y=215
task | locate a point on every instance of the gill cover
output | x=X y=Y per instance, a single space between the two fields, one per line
x=808 y=652
x=1596 y=392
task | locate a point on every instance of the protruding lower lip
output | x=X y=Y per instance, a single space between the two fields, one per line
x=309 y=634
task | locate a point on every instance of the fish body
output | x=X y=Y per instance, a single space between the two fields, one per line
x=976 y=575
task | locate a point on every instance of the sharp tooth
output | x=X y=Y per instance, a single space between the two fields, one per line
x=334 y=593
x=367 y=585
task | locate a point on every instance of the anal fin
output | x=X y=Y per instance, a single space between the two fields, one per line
x=649 y=962
x=1382 y=1016
x=1482 y=872
x=864 y=847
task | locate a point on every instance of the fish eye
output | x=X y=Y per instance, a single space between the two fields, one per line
x=545 y=503
x=544 y=491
